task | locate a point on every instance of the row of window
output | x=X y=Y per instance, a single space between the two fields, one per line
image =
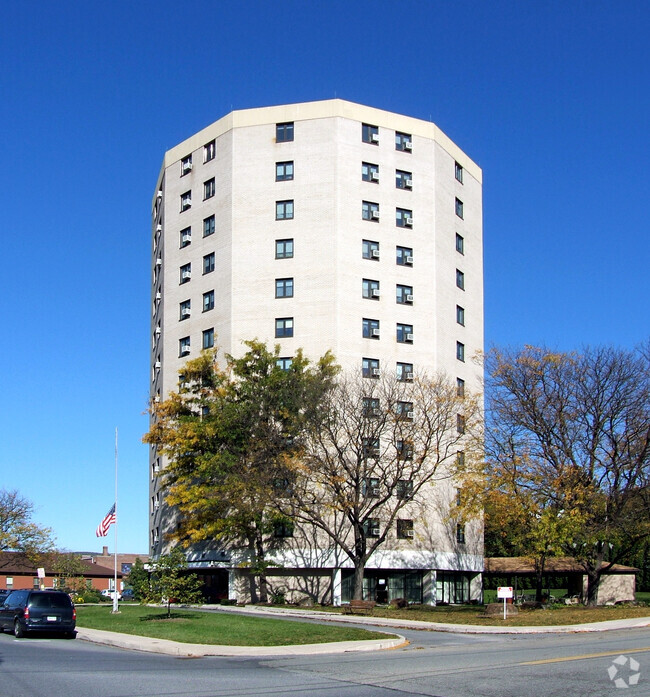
x=209 y=153
x=209 y=190
x=207 y=342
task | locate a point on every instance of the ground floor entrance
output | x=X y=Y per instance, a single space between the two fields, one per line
x=385 y=586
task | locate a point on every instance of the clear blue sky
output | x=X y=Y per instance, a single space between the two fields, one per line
x=551 y=99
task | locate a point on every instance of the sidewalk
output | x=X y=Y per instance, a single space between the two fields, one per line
x=173 y=648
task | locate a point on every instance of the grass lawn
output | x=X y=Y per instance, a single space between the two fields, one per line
x=214 y=627
x=554 y=615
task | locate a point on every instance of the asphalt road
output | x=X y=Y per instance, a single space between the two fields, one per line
x=434 y=664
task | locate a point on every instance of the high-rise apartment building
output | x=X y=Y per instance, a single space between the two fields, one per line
x=322 y=225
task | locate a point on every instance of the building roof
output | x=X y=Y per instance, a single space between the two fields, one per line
x=19 y=564
x=553 y=565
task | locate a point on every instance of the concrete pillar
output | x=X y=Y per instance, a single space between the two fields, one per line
x=232 y=585
x=336 y=587
x=429 y=587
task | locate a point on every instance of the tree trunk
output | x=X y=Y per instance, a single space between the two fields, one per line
x=539 y=578
x=593 y=581
x=261 y=569
x=358 y=580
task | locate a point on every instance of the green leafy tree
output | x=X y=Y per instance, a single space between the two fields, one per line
x=233 y=436
x=170 y=581
x=568 y=444
x=18 y=533
x=68 y=570
x=138 y=579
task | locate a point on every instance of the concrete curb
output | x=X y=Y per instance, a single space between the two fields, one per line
x=174 y=648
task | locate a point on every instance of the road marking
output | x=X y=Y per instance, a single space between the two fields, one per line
x=584 y=656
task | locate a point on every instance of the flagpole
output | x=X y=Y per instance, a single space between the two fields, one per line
x=115 y=605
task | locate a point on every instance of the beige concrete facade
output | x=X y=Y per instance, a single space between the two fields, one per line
x=429 y=185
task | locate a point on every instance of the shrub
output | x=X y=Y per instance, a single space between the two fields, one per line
x=399 y=603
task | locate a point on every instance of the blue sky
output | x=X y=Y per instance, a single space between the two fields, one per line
x=550 y=98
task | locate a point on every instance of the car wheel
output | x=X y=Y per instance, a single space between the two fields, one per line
x=71 y=635
x=19 y=632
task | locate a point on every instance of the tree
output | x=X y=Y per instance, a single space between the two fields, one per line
x=568 y=448
x=170 y=581
x=232 y=436
x=377 y=448
x=138 y=579
x=17 y=531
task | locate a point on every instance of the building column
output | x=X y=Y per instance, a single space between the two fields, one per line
x=336 y=587
x=232 y=585
x=429 y=587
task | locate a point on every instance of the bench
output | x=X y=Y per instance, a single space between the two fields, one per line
x=359 y=607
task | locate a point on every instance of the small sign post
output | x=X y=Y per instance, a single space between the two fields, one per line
x=40 y=572
x=504 y=592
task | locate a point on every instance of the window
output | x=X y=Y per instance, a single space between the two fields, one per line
x=403 y=141
x=284 y=210
x=405 y=333
x=186 y=272
x=404 y=449
x=370 y=289
x=404 y=372
x=459 y=497
x=369 y=172
x=460 y=315
x=460 y=244
x=460 y=424
x=208 y=301
x=283 y=327
x=460 y=387
x=284 y=363
x=208 y=189
x=460 y=351
x=186 y=237
x=460 y=534
x=208 y=263
x=284 y=249
x=404 y=529
x=185 y=309
x=370 y=134
x=404 y=410
x=404 y=256
x=370 y=406
x=283 y=528
x=370 y=447
x=186 y=165
x=208 y=226
x=371 y=487
x=404 y=489
x=209 y=151
x=460 y=458
x=284 y=287
x=460 y=279
x=403 y=179
x=184 y=346
x=284 y=132
x=403 y=217
x=370 y=367
x=208 y=338
x=371 y=527
x=458 y=172
x=370 y=328
x=459 y=208
x=186 y=201
x=370 y=250
x=370 y=211
x=404 y=295
x=284 y=171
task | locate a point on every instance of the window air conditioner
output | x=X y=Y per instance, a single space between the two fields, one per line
x=159 y=194
x=409 y=533
x=375 y=292
x=408 y=376
x=374 y=532
x=409 y=298
x=408 y=183
x=156 y=505
x=374 y=137
x=157 y=330
x=376 y=372
x=158 y=261
x=375 y=215
x=374 y=491
x=187 y=166
x=156 y=365
x=159 y=228
x=409 y=260
x=408 y=221
x=158 y=295
x=185 y=312
x=375 y=411
x=375 y=332
x=410 y=415
x=187 y=274
x=408 y=145
x=375 y=254
x=185 y=350
x=409 y=337
x=374 y=176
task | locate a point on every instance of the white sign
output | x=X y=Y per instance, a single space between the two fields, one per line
x=504 y=592
x=40 y=572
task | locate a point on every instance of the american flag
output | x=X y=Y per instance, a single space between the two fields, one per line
x=109 y=519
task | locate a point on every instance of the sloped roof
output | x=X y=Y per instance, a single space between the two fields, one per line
x=553 y=565
x=18 y=564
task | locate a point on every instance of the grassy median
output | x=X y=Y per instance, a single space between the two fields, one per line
x=219 y=628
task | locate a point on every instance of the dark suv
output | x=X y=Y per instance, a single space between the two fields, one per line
x=49 y=611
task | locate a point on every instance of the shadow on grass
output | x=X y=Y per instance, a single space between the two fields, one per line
x=156 y=617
